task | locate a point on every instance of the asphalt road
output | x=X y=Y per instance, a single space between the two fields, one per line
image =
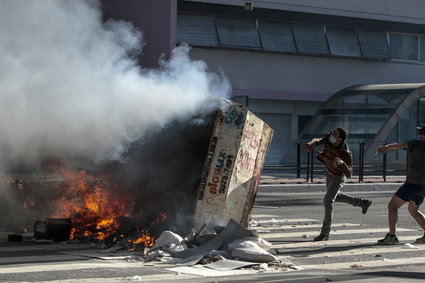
x=353 y=235
x=288 y=220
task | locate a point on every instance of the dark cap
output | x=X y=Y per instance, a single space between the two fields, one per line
x=420 y=129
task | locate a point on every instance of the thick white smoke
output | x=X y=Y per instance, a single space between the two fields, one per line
x=70 y=84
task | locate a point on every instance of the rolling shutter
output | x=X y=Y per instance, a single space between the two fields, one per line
x=280 y=123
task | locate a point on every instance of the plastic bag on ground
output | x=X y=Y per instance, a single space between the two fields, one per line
x=259 y=241
x=165 y=239
x=173 y=248
x=250 y=251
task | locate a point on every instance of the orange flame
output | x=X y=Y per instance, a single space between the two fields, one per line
x=93 y=206
x=90 y=204
x=144 y=238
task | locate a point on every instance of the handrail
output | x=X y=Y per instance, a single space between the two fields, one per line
x=312 y=168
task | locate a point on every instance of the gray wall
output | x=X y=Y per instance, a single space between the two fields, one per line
x=409 y=11
x=157 y=21
x=319 y=76
x=268 y=71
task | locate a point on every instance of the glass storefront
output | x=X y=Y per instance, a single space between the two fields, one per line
x=373 y=114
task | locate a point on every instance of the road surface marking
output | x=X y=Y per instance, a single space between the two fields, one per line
x=264 y=215
x=260 y=229
x=367 y=264
x=278 y=221
x=372 y=249
x=338 y=232
x=310 y=243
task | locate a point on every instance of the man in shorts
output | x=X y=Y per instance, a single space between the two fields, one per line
x=412 y=191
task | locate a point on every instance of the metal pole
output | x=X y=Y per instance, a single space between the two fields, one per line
x=298 y=159
x=384 y=166
x=362 y=160
x=311 y=162
x=308 y=166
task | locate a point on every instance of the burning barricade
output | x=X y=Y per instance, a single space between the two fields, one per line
x=196 y=179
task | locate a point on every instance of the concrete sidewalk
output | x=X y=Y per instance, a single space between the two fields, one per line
x=321 y=187
x=270 y=183
x=278 y=182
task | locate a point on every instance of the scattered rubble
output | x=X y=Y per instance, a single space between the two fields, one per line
x=234 y=247
x=230 y=248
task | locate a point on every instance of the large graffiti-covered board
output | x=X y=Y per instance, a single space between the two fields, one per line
x=232 y=168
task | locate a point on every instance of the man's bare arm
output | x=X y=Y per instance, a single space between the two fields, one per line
x=398 y=145
x=309 y=145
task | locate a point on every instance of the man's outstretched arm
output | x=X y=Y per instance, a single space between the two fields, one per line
x=397 y=145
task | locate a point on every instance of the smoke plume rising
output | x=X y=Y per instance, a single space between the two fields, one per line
x=70 y=84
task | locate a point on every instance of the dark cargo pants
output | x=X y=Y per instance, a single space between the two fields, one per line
x=334 y=185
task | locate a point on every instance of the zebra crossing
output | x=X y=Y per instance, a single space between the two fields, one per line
x=293 y=239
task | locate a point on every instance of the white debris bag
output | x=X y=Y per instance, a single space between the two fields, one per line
x=166 y=239
x=250 y=251
x=173 y=248
x=259 y=241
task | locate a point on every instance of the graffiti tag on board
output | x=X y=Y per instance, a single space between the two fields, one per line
x=221 y=176
x=234 y=117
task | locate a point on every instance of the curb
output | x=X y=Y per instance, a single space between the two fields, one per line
x=348 y=187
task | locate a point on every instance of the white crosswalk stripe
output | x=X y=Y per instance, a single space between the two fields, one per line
x=297 y=226
x=293 y=238
x=370 y=263
x=309 y=243
x=268 y=236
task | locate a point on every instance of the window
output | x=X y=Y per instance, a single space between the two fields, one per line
x=404 y=47
x=303 y=120
x=197 y=30
x=277 y=36
x=422 y=49
x=343 y=42
x=310 y=39
x=374 y=44
x=421 y=112
x=301 y=38
x=238 y=32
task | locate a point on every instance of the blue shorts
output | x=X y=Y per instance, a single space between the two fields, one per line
x=411 y=192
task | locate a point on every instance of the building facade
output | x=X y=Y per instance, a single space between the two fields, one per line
x=285 y=58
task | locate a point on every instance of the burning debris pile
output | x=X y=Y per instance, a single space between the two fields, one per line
x=83 y=121
x=128 y=202
x=113 y=154
x=153 y=208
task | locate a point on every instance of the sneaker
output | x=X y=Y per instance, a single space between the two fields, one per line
x=321 y=237
x=388 y=240
x=365 y=205
x=420 y=240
